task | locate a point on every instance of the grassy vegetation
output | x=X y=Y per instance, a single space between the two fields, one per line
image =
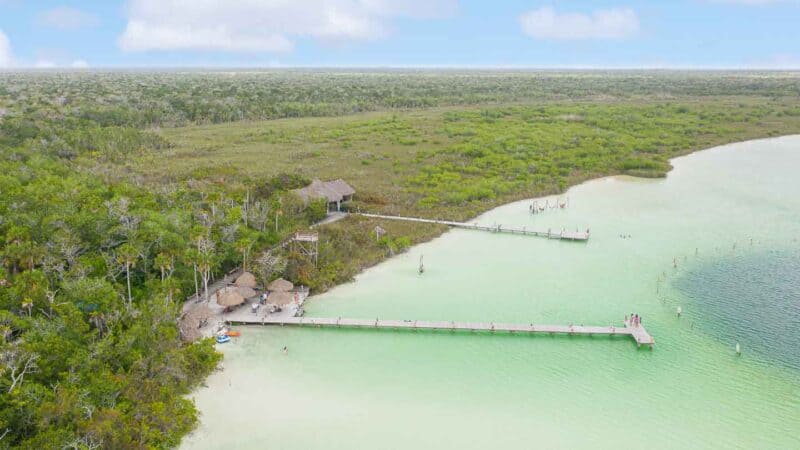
x=456 y=162
x=122 y=193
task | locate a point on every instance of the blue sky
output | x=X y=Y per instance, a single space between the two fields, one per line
x=447 y=33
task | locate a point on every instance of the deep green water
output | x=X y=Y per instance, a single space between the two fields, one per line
x=751 y=296
x=350 y=389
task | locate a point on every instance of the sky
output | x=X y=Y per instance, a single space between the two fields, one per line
x=682 y=34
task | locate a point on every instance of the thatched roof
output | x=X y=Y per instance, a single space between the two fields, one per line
x=280 y=298
x=246 y=279
x=229 y=296
x=246 y=292
x=190 y=322
x=333 y=191
x=199 y=312
x=280 y=285
x=189 y=330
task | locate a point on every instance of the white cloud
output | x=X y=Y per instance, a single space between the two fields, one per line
x=546 y=23
x=6 y=57
x=66 y=18
x=79 y=64
x=271 y=26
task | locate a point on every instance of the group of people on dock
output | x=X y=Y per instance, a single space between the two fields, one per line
x=635 y=320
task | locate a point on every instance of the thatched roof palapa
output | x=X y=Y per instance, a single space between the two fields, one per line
x=280 y=285
x=199 y=312
x=280 y=298
x=246 y=279
x=191 y=320
x=229 y=296
x=246 y=292
x=190 y=331
x=332 y=191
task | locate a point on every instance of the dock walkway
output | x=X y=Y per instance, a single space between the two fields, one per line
x=638 y=333
x=550 y=234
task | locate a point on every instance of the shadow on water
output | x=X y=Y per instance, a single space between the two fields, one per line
x=752 y=298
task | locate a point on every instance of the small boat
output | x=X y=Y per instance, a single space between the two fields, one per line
x=233 y=333
x=223 y=339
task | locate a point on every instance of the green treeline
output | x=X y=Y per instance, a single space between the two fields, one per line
x=152 y=99
x=93 y=274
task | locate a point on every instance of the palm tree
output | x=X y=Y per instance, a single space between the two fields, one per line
x=127 y=255
x=27 y=303
x=6 y=331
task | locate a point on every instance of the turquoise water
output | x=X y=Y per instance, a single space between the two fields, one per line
x=353 y=389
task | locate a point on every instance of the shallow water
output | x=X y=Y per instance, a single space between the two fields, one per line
x=355 y=389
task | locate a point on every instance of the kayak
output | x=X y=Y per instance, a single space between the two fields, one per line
x=233 y=333
x=223 y=339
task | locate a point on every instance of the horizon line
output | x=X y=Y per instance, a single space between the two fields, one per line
x=268 y=67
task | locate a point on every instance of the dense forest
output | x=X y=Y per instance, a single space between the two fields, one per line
x=122 y=193
x=153 y=99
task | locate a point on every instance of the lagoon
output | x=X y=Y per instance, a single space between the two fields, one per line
x=729 y=217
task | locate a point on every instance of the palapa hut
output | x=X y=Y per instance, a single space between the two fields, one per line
x=280 y=285
x=229 y=296
x=200 y=312
x=246 y=279
x=280 y=298
x=192 y=321
x=334 y=192
x=189 y=330
x=246 y=292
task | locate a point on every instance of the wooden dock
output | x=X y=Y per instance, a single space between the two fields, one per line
x=638 y=333
x=550 y=234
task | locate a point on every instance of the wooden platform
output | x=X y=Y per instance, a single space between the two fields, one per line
x=639 y=334
x=550 y=234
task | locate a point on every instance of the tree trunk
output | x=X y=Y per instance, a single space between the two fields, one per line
x=128 y=276
x=205 y=285
x=196 y=287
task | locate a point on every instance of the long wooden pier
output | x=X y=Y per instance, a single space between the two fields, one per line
x=550 y=234
x=638 y=333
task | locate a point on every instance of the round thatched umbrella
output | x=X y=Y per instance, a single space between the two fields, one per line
x=190 y=332
x=280 y=298
x=280 y=285
x=191 y=321
x=246 y=292
x=200 y=312
x=228 y=297
x=246 y=279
